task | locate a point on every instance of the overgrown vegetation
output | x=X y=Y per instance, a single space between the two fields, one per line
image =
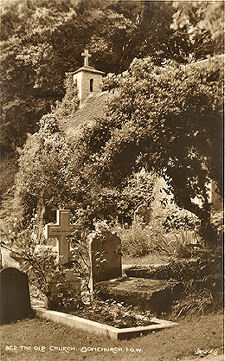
x=164 y=121
x=39 y=262
x=167 y=120
x=114 y=314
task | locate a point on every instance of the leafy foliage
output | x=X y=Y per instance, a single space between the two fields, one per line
x=39 y=262
x=42 y=40
x=136 y=240
x=45 y=173
x=114 y=313
x=203 y=23
x=196 y=302
x=203 y=290
x=167 y=120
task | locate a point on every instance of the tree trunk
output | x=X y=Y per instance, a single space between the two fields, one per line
x=40 y=215
x=207 y=231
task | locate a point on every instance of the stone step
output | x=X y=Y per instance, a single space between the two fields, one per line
x=154 y=295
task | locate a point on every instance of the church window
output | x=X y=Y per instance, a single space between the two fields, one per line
x=91 y=85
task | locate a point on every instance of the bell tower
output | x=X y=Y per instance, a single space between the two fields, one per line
x=88 y=79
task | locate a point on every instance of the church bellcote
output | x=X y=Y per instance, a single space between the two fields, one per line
x=88 y=79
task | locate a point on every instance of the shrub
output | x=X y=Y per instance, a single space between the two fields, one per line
x=217 y=220
x=176 y=244
x=203 y=281
x=39 y=262
x=196 y=302
x=139 y=241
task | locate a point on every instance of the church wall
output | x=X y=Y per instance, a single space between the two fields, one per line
x=83 y=79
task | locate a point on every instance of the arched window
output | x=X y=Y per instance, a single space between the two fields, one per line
x=91 y=85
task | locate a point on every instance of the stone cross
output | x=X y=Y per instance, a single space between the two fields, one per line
x=86 y=55
x=61 y=230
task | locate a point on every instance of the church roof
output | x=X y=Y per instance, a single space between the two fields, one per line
x=88 y=69
x=92 y=108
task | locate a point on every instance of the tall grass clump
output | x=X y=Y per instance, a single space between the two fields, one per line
x=136 y=240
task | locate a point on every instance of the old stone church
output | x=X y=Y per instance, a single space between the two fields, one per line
x=93 y=102
x=93 y=105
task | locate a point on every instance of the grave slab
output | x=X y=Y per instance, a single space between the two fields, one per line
x=156 y=271
x=154 y=295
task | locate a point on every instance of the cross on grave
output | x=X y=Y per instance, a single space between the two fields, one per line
x=86 y=55
x=61 y=230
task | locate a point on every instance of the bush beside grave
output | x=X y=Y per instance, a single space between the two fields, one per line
x=40 y=263
x=139 y=241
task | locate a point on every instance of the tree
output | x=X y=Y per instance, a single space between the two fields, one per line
x=50 y=176
x=203 y=21
x=42 y=40
x=168 y=120
x=29 y=56
x=44 y=180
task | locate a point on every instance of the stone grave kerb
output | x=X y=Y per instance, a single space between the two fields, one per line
x=60 y=230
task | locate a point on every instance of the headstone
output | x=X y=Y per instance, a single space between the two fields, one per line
x=105 y=257
x=61 y=230
x=15 y=296
x=143 y=214
x=8 y=260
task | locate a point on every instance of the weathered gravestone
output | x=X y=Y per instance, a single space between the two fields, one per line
x=61 y=230
x=143 y=214
x=105 y=257
x=15 y=296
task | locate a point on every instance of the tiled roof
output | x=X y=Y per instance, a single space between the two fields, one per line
x=93 y=108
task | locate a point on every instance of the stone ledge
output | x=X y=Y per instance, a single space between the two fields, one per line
x=100 y=329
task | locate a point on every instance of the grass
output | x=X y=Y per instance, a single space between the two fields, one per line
x=150 y=259
x=36 y=339
x=139 y=242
